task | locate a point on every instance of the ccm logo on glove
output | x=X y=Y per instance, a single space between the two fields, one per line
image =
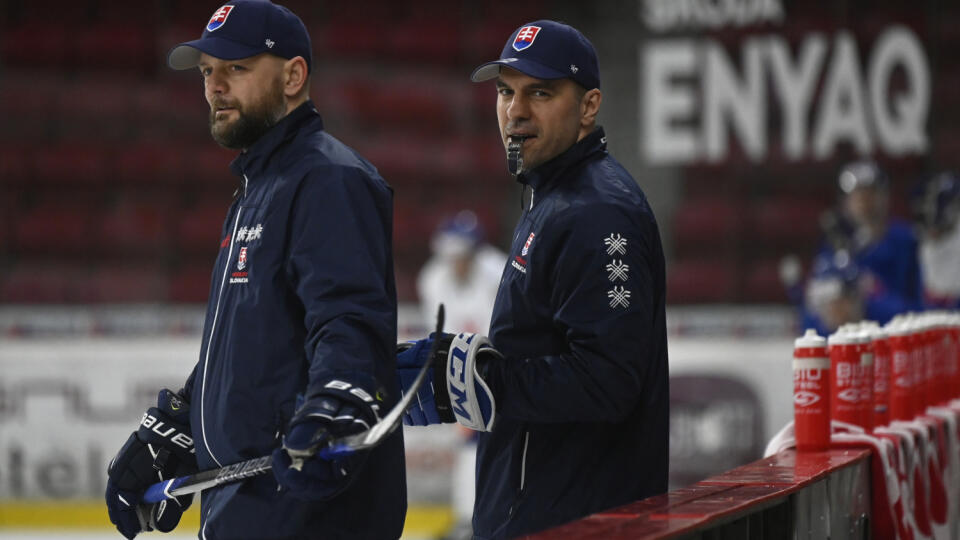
x=458 y=384
x=179 y=438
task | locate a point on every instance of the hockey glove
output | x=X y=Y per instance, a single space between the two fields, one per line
x=340 y=409
x=160 y=449
x=454 y=390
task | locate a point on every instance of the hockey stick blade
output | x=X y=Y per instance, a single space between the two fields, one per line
x=185 y=485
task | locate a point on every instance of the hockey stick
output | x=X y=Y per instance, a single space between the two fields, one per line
x=184 y=485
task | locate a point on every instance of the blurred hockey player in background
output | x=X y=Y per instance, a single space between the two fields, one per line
x=882 y=249
x=937 y=214
x=463 y=274
x=834 y=295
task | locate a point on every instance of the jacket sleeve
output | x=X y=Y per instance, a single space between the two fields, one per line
x=602 y=282
x=340 y=267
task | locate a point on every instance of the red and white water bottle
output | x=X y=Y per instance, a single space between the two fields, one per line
x=901 y=369
x=881 y=376
x=864 y=339
x=846 y=383
x=953 y=356
x=811 y=392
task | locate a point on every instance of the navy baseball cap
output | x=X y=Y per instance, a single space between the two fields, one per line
x=245 y=28
x=546 y=50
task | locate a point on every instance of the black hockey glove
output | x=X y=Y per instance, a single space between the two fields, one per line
x=455 y=389
x=160 y=449
x=340 y=409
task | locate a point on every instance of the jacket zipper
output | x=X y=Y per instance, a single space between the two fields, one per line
x=523 y=460
x=213 y=326
x=523 y=474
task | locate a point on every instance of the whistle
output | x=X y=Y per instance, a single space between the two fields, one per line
x=515 y=155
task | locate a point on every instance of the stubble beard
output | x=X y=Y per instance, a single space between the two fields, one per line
x=253 y=122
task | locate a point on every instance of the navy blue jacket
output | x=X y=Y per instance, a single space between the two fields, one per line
x=302 y=292
x=583 y=396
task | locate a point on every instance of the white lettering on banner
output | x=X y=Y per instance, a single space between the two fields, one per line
x=795 y=86
x=842 y=111
x=728 y=99
x=692 y=95
x=68 y=405
x=667 y=105
x=901 y=133
x=664 y=15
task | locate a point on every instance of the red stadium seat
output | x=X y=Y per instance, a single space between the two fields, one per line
x=57 y=229
x=787 y=221
x=170 y=110
x=148 y=163
x=191 y=284
x=348 y=38
x=707 y=224
x=115 y=46
x=482 y=108
x=701 y=280
x=394 y=156
x=482 y=42
x=37 y=44
x=406 y=279
x=210 y=164
x=198 y=228
x=79 y=163
x=430 y=40
x=104 y=102
x=421 y=105
x=39 y=283
x=28 y=106
x=135 y=227
x=113 y=284
x=762 y=283
x=16 y=165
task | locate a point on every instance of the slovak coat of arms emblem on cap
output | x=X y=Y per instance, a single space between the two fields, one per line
x=525 y=37
x=219 y=18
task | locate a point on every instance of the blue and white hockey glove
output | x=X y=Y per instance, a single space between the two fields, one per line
x=454 y=390
x=160 y=449
x=339 y=409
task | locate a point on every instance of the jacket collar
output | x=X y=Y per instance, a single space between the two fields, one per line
x=542 y=175
x=254 y=159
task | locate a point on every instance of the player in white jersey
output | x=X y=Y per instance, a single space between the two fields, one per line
x=463 y=274
x=938 y=214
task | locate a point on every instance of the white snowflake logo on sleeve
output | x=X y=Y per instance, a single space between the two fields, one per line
x=619 y=297
x=617 y=270
x=615 y=244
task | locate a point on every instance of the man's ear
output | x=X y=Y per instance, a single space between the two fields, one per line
x=295 y=76
x=590 y=106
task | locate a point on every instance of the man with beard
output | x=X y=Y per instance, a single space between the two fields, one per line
x=570 y=391
x=298 y=341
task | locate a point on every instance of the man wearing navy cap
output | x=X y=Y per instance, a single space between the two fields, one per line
x=570 y=391
x=298 y=342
